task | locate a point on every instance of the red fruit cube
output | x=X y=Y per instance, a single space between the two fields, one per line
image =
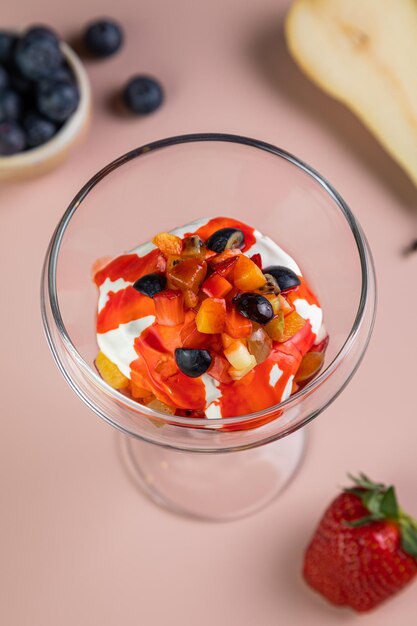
x=237 y=326
x=216 y=286
x=257 y=259
x=219 y=369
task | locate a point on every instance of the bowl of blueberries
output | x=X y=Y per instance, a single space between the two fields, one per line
x=45 y=101
x=45 y=95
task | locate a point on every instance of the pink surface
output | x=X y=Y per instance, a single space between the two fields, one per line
x=79 y=544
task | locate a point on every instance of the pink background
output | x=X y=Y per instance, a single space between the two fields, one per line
x=79 y=544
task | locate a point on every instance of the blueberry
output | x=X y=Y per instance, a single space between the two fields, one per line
x=103 y=38
x=38 y=129
x=143 y=95
x=20 y=83
x=226 y=239
x=192 y=362
x=7 y=44
x=151 y=284
x=255 y=307
x=10 y=105
x=286 y=278
x=37 y=57
x=39 y=31
x=4 y=78
x=62 y=74
x=57 y=100
x=12 y=138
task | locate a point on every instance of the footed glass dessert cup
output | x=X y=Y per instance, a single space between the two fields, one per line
x=217 y=468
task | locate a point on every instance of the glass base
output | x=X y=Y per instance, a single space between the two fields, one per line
x=217 y=487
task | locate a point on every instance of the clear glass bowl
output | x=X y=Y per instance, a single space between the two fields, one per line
x=169 y=183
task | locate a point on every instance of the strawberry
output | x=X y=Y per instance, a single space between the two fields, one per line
x=364 y=549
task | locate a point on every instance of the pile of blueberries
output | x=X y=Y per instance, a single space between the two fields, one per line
x=38 y=91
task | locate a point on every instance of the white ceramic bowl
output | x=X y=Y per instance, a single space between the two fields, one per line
x=45 y=157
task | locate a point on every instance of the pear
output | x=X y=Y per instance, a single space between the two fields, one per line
x=364 y=53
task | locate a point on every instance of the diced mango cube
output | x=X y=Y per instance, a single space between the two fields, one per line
x=247 y=275
x=211 y=316
x=310 y=365
x=110 y=373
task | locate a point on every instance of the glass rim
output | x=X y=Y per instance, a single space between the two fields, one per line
x=51 y=260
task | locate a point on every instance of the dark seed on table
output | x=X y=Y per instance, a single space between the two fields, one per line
x=103 y=38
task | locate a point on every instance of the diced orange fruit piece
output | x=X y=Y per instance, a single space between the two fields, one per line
x=138 y=393
x=168 y=243
x=190 y=299
x=247 y=276
x=211 y=316
x=310 y=365
x=169 y=307
x=172 y=261
x=216 y=286
x=227 y=340
x=238 y=355
x=161 y=407
x=189 y=274
x=285 y=306
x=209 y=254
x=237 y=326
x=110 y=373
x=292 y=324
x=275 y=328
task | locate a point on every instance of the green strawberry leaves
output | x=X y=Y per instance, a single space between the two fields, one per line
x=389 y=504
x=382 y=504
x=408 y=527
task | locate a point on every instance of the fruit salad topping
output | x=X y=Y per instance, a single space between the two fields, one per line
x=192 y=322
